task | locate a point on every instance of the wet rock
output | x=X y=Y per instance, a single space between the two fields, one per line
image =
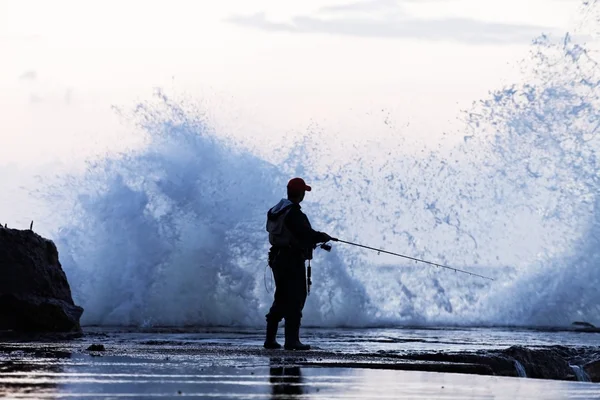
x=488 y=362
x=592 y=369
x=96 y=347
x=583 y=324
x=39 y=336
x=549 y=363
x=34 y=293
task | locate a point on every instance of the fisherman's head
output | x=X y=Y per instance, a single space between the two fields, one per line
x=296 y=189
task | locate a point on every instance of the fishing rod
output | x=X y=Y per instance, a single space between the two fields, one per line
x=410 y=258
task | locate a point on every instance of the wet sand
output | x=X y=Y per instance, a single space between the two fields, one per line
x=118 y=377
x=232 y=364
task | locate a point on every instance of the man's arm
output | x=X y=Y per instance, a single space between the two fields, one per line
x=298 y=224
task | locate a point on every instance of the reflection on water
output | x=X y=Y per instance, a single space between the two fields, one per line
x=22 y=371
x=32 y=371
x=286 y=381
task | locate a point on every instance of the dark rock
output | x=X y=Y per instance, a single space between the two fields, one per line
x=13 y=335
x=34 y=293
x=96 y=347
x=549 y=363
x=546 y=363
x=498 y=365
x=592 y=369
x=583 y=324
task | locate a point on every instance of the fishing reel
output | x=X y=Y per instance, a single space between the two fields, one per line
x=325 y=246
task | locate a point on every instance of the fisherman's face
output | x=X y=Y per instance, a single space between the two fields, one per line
x=298 y=198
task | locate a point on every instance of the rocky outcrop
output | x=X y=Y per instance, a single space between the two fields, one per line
x=552 y=362
x=548 y=363
x=34 y=292
x=582 y=326
x=592 y=369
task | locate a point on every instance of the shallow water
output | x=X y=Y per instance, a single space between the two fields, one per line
x=446 y=339
x=92 y=377
x=230 y=363
x=371 y=339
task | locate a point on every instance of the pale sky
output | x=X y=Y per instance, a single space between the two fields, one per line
x=270 y=66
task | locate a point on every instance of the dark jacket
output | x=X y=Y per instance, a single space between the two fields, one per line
x=289 y=227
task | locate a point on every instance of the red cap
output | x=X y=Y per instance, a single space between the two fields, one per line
x=297 y=185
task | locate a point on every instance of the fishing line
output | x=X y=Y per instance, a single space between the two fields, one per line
x=412 y=258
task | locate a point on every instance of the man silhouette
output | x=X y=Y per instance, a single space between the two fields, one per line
x=292 y=242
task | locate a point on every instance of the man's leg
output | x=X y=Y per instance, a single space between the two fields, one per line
x=293 y=314
x=277 y=311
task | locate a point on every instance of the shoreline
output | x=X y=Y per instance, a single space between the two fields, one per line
x=331 y=349
x=345 y=364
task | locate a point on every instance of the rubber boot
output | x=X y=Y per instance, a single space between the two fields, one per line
x=292 y=337
x=271 y=340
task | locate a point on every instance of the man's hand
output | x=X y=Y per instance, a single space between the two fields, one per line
x=329 y=238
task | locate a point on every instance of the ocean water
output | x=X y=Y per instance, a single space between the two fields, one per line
x=172 y=233
x=277 y=382
x=230 y=363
